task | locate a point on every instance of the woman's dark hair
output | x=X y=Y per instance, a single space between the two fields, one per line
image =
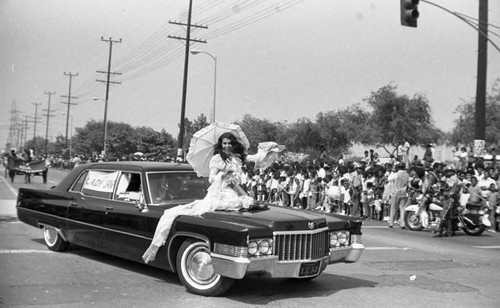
x=238 y=148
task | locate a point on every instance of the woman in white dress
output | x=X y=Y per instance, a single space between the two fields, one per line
x=225 y=192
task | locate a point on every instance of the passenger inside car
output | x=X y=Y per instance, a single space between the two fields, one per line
x=129 y=184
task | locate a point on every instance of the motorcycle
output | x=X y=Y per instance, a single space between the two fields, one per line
x=429 y=217
x=471 y=218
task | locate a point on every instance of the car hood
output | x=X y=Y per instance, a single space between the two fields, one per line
x=278 y=219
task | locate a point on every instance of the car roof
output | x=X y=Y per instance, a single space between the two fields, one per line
x=141 y=165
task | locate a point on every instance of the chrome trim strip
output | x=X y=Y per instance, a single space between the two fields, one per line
x=230 y=258
x=300 y=231
x=86 y=224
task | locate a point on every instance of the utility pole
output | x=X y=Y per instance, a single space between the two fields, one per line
x=25 y=132
x=14 y=120
x=48 y=116
x=69 y=103
x=180 y=150
x=107 y=81
x=482 y=65
x=36 y=119
x=19 y=132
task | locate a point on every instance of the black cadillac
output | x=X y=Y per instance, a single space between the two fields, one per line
x=115 y=207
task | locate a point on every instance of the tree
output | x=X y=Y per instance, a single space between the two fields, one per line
x=193 y=127
x=463 y=132
x=37 y=144
x=258 y=130
x=156 y=145
x=334 y=136
x=395 y=117
x=306 y=137
x=89 y=139
x=59 y=146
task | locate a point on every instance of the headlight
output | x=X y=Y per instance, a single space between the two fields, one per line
x=264 y=247
x=342 y=238
x=334 y=239
x=261 y=247
x=253 y=247
x=339 y=239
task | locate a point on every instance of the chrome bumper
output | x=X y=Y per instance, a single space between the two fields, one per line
x=349 y=254
x=271 y=267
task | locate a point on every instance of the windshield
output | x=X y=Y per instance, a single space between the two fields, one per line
x=168 y=187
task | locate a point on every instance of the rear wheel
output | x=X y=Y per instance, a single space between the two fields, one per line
x=412 y=221
x=195 y=270
x=53 y=240
x=474 y=230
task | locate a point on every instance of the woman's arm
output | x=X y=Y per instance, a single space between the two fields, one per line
x=216 y=168
x=267 y=153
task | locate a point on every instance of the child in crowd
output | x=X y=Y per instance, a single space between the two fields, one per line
x=369 y=203
x=335 y=197
x=377 y=207
x=323 y=193
x=344 y=190
x=304 y=194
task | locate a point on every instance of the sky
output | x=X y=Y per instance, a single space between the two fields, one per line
x=279 y=60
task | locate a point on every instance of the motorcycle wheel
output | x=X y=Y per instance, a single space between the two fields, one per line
x=413 y=222
x=473 y=230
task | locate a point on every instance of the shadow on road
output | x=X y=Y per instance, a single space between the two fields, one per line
x=118 y=262
x=259 y=291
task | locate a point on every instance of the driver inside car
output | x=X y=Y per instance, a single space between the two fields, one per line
x=169 y=189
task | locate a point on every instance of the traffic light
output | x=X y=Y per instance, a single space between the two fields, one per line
x=409 y=13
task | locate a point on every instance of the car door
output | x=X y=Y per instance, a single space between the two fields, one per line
x=92 y=192
x=124 y=223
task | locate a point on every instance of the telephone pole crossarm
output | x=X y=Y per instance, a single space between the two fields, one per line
x=108 y=82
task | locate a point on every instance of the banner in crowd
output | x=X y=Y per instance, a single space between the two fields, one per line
x=31 y=167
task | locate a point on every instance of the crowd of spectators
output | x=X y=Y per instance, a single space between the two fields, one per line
x=366 y=188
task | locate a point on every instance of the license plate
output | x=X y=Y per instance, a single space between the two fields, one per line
x=309 y=269
x=476 y=212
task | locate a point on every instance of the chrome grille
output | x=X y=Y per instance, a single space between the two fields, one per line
x=301 y=245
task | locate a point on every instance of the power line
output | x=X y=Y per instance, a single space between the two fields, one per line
x=158 y=50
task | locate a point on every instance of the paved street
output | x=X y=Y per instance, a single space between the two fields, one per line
x=399 y=268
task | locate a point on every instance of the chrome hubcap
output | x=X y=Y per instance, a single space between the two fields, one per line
x=50 y=235
x=199 y=266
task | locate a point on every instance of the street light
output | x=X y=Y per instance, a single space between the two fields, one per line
x=105 y=132
x=195 y=52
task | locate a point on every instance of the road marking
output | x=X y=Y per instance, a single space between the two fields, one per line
x=12 y=251
x=488 y=247
x=375 y=227
x=387 y=248
x=8 y=185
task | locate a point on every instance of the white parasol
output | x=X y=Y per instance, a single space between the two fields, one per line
x=201 y=148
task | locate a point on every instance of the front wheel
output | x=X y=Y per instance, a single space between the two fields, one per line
x=412 y=221
x=195 y=270
x=473 y=230
x=53 y=240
